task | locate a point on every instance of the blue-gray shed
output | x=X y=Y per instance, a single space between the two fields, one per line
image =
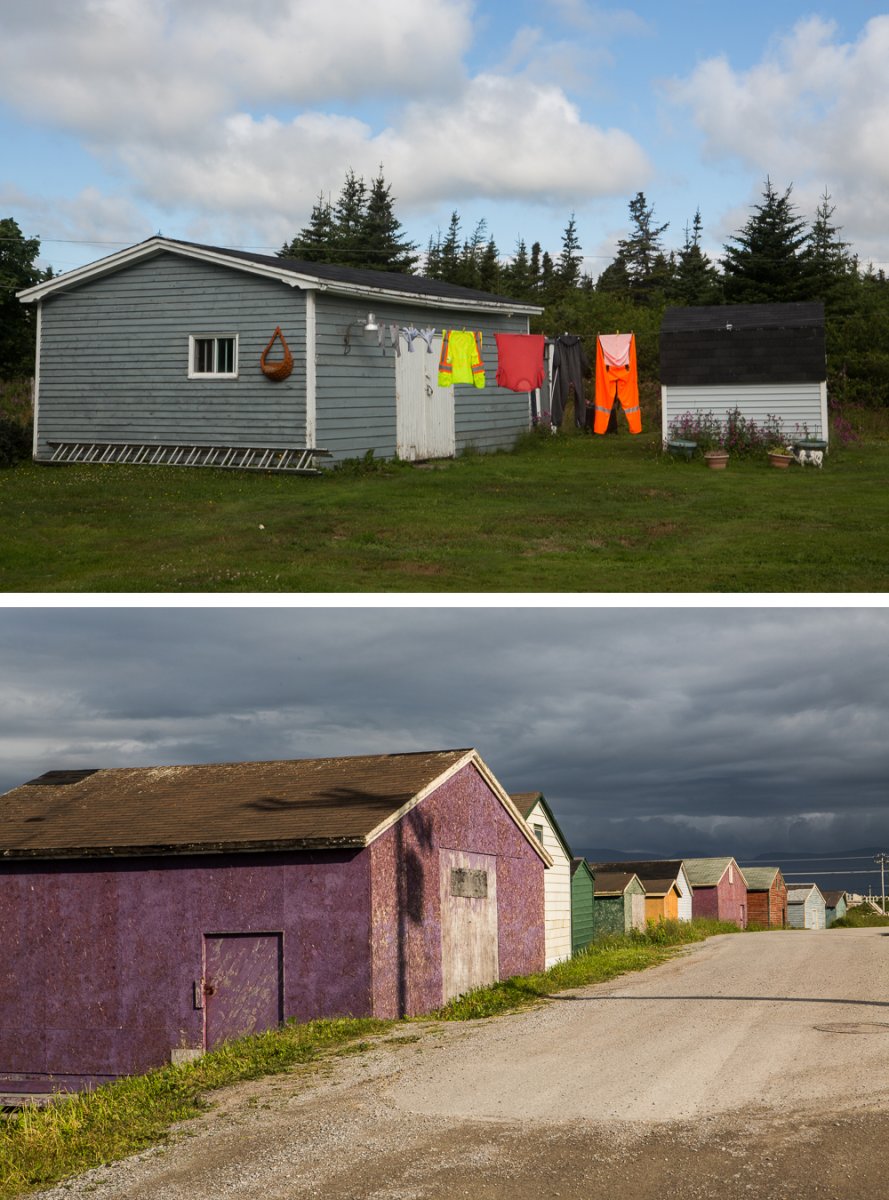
x=159 y=346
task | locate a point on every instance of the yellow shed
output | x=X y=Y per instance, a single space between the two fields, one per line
x=661 y=900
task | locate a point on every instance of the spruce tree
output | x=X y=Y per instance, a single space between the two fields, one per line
x=640 y=268
x=315 y=242
x=517 y=278
x=382 y=239
x=831 y=267
x=349 y=215
x=489 y=268
x=765 y=261
x=695 y=279
x=568 y=265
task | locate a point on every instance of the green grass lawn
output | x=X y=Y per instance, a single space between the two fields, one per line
x=566 y=514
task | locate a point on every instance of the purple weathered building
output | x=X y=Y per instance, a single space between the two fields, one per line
x=150 y=910
x=719 y=889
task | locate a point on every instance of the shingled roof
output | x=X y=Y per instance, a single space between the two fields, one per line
x=324 y=803
x=614 y=883
x=760 y=879
x=354 y=281
x=649 y=870
x=707 y=872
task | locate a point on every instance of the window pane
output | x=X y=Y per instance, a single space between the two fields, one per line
x=203 y=355
x=225 y=358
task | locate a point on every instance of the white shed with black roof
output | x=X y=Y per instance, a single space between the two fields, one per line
x=763 y=359
x=161 y=353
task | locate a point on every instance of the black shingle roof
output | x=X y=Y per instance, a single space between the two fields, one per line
x=419 y=285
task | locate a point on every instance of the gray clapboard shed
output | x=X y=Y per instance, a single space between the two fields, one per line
x=763 y=359
x=160 y=345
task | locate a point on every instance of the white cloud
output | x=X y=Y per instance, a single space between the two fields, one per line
x=814 y=112
x=159 y=68
x=500 y=138
x=230 y=117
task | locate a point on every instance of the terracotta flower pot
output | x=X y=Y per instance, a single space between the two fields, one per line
x=780 y=460
x=716 y=460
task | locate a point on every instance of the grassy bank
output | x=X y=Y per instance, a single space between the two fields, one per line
x=39 y=1147
x=605 y=959
x=862 y=916
x=562 y=514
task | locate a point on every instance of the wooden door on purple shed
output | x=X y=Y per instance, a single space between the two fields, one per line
x=469 y=946
x=242 y=986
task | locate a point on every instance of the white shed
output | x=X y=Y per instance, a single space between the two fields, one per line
x=763 y=359
x=805 y=906
x=557 y=879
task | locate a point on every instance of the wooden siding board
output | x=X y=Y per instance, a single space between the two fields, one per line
x=356 y=391
x=796 y=404
x=582 y=891
x=114 y=361
x=556 y=890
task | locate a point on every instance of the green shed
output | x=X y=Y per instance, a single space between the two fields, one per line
x=618 y=903
x=583 y=886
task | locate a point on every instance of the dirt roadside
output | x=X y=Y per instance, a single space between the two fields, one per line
x=748 y=1067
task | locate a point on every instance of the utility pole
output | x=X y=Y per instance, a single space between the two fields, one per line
x=882 y=858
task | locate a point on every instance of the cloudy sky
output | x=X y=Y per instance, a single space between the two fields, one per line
x=673 y=731
x=222 y=120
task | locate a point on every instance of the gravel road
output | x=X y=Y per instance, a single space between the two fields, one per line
x=748 y=1066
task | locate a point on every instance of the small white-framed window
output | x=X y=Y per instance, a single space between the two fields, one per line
x=538 y=833
x=213 y=356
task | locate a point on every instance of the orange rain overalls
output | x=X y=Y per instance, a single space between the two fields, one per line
x=616 y=379
x=461 y=359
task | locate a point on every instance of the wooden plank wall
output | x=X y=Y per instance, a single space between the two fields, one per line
x=797 y=404
x=556 y=891
x=114 y=361
x=356 y=391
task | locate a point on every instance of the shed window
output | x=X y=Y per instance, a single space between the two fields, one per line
x=731 y=873
x=213 y=357
x=538 y=833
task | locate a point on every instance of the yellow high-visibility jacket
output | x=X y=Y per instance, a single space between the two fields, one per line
x=461 y=358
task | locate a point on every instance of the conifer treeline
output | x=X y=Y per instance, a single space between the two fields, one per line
x=777 y=256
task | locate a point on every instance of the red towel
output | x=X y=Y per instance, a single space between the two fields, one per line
x=520 y=364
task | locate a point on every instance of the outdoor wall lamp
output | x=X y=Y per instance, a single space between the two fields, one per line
x=367 y=326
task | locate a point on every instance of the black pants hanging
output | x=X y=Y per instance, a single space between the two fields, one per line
x=570 y=364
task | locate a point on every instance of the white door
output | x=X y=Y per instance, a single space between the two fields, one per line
x=424 y=422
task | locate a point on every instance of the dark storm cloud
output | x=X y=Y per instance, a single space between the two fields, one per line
x=669 y=730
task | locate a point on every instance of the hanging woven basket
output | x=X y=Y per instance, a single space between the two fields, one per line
x=281 y=369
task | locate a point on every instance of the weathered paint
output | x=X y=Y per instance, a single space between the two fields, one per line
x=114 y=358
x=557 y=885
x=768 y=906
x=462 y=815
x=114 y=362
x=582 y=892
x=242 y=985
x=685 y=896
x=726 y=900
x=805 y=908
x=620 y=914
x=662 y=908
x=102 y=958
x=468 y=924
x=834 y=912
